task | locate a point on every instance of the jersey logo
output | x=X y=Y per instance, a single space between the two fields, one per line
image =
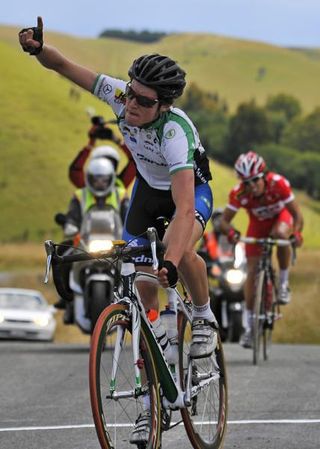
x=170 y=134
x=119 y=96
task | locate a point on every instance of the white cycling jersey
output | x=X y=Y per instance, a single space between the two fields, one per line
x=161 y=148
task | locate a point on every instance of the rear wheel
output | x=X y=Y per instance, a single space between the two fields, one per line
x=115 y=399
x=205 y=420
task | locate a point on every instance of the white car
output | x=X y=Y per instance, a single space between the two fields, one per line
x=25 y=314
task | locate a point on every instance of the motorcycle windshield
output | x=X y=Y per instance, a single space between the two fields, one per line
x=103 y=222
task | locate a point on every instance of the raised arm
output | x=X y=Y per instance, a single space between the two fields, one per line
x=31 y=40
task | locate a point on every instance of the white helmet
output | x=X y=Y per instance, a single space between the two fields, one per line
x=250 y=165
x=100 y=176
x=108 y=152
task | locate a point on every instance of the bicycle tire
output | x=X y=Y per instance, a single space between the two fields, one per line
x=268 y=324
x=257 y=316
x=205 y=428
x=109 y=414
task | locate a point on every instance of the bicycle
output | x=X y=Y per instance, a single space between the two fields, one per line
x=266 y=308
x=128 y=371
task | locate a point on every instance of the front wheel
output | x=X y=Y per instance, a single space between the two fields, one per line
x=98 y=300
x=261 y=334
x=206 y=419
x=235 y=327
x=116 y=397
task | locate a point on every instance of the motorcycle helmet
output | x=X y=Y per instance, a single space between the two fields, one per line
x=250 y=165
x=216 y=219
x=108 y=152
x=100 y=176
x=160 y=73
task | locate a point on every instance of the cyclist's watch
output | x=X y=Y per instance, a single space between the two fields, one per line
x=37 y=36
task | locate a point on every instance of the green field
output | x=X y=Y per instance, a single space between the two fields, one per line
x=43 y=128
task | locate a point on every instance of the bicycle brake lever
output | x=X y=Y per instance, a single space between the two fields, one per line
x=49 y=247
x=152 y=236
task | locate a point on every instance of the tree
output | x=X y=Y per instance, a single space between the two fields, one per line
x=304 y=134
x=286 y=104
x=248 y=127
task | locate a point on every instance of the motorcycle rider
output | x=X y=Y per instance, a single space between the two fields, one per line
x=172 y=176
x=102 y=188
x=273 y=211
x=100 y=130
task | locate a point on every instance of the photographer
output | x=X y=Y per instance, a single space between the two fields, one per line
x=100 y=130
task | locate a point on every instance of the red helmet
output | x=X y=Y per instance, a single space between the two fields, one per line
x=249 y=165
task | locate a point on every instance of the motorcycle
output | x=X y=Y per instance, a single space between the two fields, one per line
x=90 y=284
x=227 y=276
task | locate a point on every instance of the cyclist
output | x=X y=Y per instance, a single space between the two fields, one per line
x=273 y=211
x=172 y=173
x=215 y=243
x=100 y=130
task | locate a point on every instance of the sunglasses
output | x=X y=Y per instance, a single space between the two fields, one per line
x=253 y=180
x=143 y=101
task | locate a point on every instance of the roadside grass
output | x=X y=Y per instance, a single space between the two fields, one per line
x=24 y=265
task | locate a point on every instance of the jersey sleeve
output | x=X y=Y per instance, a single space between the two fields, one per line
x=178 y=147
x=112 y=91
x=283 y=188
x=234 y=203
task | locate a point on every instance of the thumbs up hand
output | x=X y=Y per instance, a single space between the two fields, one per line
x=31 y=39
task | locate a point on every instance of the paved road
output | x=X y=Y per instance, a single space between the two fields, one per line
x=45 y=401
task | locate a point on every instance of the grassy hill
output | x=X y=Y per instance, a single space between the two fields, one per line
x=42 y=127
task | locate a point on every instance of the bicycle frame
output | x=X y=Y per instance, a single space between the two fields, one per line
x=174 y=396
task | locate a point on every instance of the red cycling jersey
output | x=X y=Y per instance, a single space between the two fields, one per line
x=265 y=210
x=267 y=207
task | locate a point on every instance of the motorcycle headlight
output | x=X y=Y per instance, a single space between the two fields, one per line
x=234 y=277
x=99 y=245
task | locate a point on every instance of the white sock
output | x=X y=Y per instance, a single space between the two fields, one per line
x=146 y=402
x=248 y=319
x=284 y=277
x=203 y=312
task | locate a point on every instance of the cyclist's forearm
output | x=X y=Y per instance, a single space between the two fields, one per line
x=51 y=58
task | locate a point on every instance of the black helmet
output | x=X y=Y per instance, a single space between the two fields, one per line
x=161 y=74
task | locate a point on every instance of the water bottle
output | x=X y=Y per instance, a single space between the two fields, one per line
x=159 y=330
x=169 y=322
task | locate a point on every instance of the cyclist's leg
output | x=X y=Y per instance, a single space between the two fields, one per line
x=192 y=269
x=282 y=229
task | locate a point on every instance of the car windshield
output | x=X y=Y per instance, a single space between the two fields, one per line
x=20 y=301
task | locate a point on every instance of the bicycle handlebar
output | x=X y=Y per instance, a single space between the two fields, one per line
x=273 y=242
x=119 y=250
x=267 y=240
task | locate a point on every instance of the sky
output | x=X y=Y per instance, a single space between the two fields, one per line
x=294 y=23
